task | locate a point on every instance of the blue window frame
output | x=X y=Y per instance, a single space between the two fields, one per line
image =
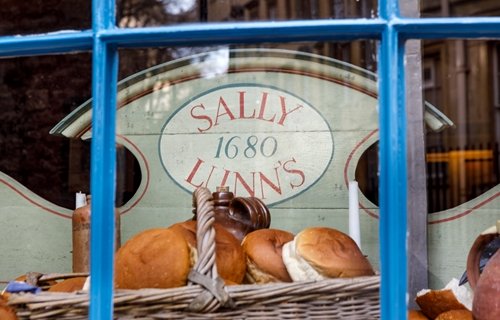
x=390 y=28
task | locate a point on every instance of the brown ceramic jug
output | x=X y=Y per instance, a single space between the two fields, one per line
x=486 y=285
x=239 y=215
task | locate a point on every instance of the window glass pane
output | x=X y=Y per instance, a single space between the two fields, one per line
x=284 y=123
x=448 y=66
x=462 y=159
x=39 y=171
x=39 y=16
x=139 y=13
x=454 y=8
x=459 y=84
x=293 y=143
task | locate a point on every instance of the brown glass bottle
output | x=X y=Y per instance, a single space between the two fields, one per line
x=81 y=237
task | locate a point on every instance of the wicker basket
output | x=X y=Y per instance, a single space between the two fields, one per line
x=206 y=297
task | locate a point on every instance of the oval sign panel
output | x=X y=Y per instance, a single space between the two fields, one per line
x=260 y=141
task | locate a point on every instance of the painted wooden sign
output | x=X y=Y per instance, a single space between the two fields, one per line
x=258 y=140
x=286 y=126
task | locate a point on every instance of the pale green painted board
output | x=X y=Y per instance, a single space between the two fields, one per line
x=147 y=108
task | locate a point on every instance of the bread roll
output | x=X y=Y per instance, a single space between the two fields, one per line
x=69 y=285
x=229 y=255
x=319 y=253
x=155 y=258
x=263 y=249
x=452 y=297
x=463 y=314
x=416 y=315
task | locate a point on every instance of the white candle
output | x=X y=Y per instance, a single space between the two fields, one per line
x=80 y=200
x=354 y=229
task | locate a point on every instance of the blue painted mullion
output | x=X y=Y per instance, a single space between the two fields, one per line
x=393 y=177
x=246 y=32
x=387 y=9
x=56 y=42
x=443 y=28
x=103 y=163
x=392 y=181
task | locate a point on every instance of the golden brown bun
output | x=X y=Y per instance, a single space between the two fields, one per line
x=416 y=315
x=318 y=252
x=452 y=297
x=229 y=255
x=455 y=315
x=69 y=285
x=6 y=312
x=263 y=249
x=154 y=258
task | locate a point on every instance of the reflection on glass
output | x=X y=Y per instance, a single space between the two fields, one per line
x=38 y=92
x=286 y=123
x=139 y=13
x=460 y=79
x=462 y=120
x=462 y=161
x=40 y=16
x=41 y=170
x=450 y=8
x=460 y=85
x=358 y=53
x=40 y=173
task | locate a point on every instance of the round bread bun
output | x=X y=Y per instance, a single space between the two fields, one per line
x=452 y=297
x=319 y=253
x=69 y=285
x=229 y=255
x=263 y=249
x=416 y=315
x=463 y=314
x=154 y=258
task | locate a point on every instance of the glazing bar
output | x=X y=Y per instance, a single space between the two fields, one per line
x=103 y=164
x=50 y=43
x=393 y=173
x=442 y=28
x=244 y=32
x=393 y=177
